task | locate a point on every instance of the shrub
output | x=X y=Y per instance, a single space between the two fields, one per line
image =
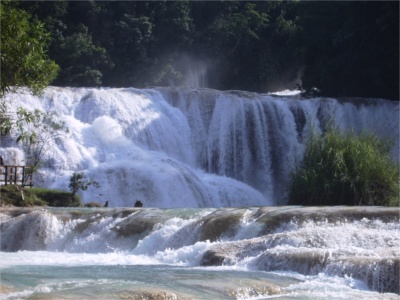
x=345 y=169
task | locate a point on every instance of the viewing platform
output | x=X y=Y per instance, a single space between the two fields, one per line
x=16 y=175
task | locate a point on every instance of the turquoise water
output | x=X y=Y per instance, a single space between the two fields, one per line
x=117 y=282
x=171 y=282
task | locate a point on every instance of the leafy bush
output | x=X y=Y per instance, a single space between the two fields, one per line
x=345 y=169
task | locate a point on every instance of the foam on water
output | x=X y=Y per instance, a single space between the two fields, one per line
x=49 y=258
x=311 y=252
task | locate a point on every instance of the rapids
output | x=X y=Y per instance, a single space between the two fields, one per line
x=273 y=252
x=181 y=147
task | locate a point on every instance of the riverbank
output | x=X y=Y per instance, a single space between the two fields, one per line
x=13 y=195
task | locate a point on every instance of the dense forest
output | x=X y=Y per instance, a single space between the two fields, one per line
x=340 y=48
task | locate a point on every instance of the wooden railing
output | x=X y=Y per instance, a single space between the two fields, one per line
x=18 y=175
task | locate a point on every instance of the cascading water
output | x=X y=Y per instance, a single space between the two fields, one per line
x=227 y=253
x=193 y=149
x=181 y=147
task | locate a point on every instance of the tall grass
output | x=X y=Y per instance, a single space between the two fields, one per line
x=345 y=169
x=56 y=197
x=19 y=196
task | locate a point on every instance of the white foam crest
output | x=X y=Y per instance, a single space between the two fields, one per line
x=95 y=237
x=365 y=234
x=158 y=239
x=286 y=93
x=322 y=286
x=107 y=129
x=249 y=228
x=187 y=255
x=45 y=258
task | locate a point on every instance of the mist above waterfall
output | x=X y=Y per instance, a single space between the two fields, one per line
x=194 y=71
x=185 y=147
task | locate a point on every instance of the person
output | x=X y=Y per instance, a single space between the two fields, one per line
x=106 y=204
x=138 y=203
x=1 y=161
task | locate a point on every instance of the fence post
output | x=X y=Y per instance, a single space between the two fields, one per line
x=6 y=175
x=15 y=175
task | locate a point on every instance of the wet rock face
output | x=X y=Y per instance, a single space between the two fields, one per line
x=220 y=224
x=230 y=252
x=380 y=275
x=27 y=231
x=253 y=289
x=274 y=217
x=93 y=204
x=245 y=288
x=138 y=223
x=212 y=258
x=150 y=294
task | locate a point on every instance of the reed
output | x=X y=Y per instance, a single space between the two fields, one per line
x=345 y=169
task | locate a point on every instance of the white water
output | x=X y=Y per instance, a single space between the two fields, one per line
x=189 y=147
x=266 y=253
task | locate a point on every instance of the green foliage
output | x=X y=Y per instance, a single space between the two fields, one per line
x=22 y=197
x=15 y=120
x=78 y=182
x=345 y=169
x=18 y=196
x=80 y=59
x=36 y=136
x=57 y=198
x=345 y=48
x=24 y=61
x=350 y=48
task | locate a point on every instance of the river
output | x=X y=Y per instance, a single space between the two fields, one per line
x=275 y=252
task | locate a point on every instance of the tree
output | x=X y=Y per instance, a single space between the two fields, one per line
x=15 y=121
x=24 y=63
x=131 y=37
x=344 y=48
x=78 y=182
x=350 y=48
x=81 y=60
x=36 y=137
x=23 y=51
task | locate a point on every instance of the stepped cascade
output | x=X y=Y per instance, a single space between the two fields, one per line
x=272 y=250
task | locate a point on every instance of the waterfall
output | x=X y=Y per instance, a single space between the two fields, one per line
x=185 y=147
